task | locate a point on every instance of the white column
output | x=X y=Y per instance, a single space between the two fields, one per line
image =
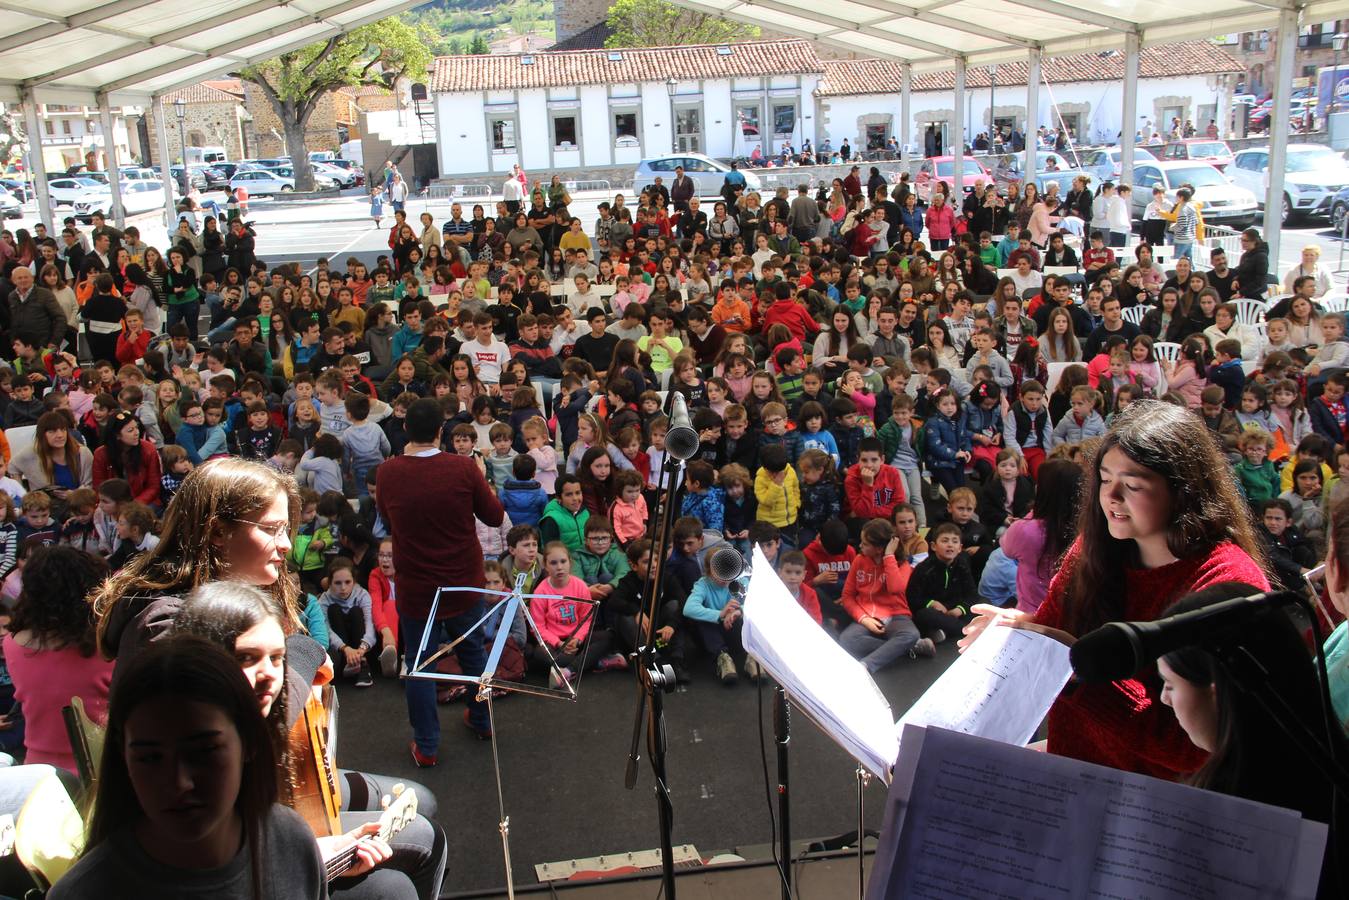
x=1032 y=109
x=165 y=175
x=38 y=167
x=905 y=116
x=1278 y=131
x=1129 y=110
x=110 y=158
x=958 y=141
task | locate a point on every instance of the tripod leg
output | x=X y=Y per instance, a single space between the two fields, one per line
x=505 y=823
x=862 y=779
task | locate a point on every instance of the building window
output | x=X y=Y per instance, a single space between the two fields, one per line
x=65 y=126
x=503 y=135
x=747 y=114
x=564 y=132
x=51 y=126
x=625 y=125
x=784 y=119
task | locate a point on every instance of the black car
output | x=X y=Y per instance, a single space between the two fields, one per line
x=216 y=179
x=226 y=169
x=198 y=179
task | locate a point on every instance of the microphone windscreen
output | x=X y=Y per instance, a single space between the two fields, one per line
x=1110 y=653
x=727 y=564
x=681 y=442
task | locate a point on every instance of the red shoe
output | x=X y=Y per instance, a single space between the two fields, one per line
x=484 y=734
x=419 y=760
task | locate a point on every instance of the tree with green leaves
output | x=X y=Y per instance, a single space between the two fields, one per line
x=656 y=23
x=294 y=83
x=478 y=45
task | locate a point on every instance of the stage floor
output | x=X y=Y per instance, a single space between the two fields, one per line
x=563 y=764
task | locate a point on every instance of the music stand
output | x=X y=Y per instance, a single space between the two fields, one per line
x=487 y=683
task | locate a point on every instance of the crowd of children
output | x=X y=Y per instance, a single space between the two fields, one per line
x=880 y=425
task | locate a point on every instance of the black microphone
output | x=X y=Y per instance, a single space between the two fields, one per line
x=1118 y=650
x=727 y=563
x=681 y=441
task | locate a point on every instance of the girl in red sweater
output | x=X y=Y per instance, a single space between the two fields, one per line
x=882 y=631
x=1167 y=521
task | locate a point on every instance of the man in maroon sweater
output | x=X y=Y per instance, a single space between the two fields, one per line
x=429 y=500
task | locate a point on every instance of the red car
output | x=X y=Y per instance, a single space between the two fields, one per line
x=942 y=168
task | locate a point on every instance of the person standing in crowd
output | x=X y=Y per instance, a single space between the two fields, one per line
x=428 y=556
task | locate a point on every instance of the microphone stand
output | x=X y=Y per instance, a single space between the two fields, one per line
x=782 y=736
x=655 y=678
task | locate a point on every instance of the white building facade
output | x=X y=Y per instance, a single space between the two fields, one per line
x=596 y=108
x=587 y=109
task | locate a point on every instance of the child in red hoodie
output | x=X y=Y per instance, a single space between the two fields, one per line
x=829 y=558
x=882 y=631
x=873 y=488
x=792 y=571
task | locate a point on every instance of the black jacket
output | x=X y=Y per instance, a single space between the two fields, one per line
x=1252 y=271
x=952 y=586
x=993 y=506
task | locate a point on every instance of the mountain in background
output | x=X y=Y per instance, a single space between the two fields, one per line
x=452 y=27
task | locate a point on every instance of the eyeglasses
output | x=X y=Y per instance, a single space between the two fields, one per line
x=272 y=529
x=773 y=421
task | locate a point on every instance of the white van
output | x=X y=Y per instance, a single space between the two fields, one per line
x=206 y=155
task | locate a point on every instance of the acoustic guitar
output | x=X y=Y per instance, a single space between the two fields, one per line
x=316 y=794
x=398 y=814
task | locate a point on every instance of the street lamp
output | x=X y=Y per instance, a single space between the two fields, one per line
x=993 y=134
x=671 y=85
x=1338 y=41
x=180 y=110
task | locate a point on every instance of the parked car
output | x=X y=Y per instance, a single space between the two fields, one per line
x=942 y=168
x=321 y=182
x=351 y=166
x=198 y=178
x=1007 y=169
x=344 y=178
x=1064 y=180
x=1104 y=162
x=227 y=170
x=65 y=191
x=1313 y=175
x=1215 y=153
x=1259 y=117
x=20 y=189
x=10 y=206
x=139 y=195
x=261 y=182
x=1223 y=203
x=708 y=174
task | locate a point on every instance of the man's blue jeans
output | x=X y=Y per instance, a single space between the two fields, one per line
x=421 y=692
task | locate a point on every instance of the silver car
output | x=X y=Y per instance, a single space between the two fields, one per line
x=1313 y=175
x=65 y=191
x=1104 y=162
x=707 y=173
x=1221 y=202
x=260 y=182
x=10 y=207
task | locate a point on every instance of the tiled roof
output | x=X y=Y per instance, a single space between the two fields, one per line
x=593 y=38
x=228 y=85
x=873 y=76
x=565 y=69
x=201 y=93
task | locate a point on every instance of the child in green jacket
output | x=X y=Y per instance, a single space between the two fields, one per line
x=600 y=563
x=1258 y=478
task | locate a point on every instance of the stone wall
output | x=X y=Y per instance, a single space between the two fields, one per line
x=267 y=137
x=205 y=125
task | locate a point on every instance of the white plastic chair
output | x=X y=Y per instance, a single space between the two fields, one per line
x=1335 y=302
x=1250 y=312
x=20 y=438
x=1134 y=314
x=1005 y=273
x=1060 y=270
x=1167 y=350
x=1056 y=370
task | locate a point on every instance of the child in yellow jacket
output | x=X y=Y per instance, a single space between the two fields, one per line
x=776 y=487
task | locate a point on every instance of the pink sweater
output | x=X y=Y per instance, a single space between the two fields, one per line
x=1024 y=541
x=629 y=518
x=557 y=619
x=44 y=682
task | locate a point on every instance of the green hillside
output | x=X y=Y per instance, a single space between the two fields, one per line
x=451 y=26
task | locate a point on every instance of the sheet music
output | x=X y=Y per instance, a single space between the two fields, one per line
x=1000 y=688
x=821 y=678
x=969 y=817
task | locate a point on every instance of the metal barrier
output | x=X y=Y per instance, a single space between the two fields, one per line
x=593 y=185
x=455 y=191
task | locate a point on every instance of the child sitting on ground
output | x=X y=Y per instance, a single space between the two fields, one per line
x=1007 y=496
x=792 y=571
x=351 y=623
x=717 y=617
x=882 y=630
x=565 y=619
x=599 y=563
x=522 y=557
x=1256 y=475
x=942 y=590
x=629 y=510
x=703 y=499
x=623 y=612
x=522 y=496
x=828 y=560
